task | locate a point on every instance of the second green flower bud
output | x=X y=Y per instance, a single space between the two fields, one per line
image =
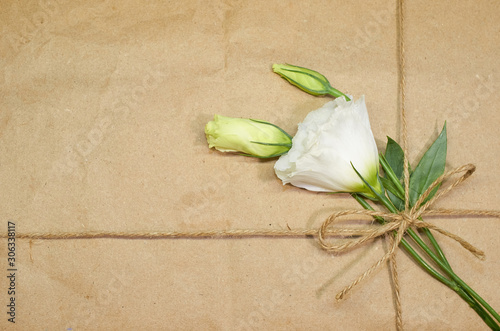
x=307 y=80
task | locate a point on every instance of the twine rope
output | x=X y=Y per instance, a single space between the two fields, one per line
x=406 y=170
x=410 y=217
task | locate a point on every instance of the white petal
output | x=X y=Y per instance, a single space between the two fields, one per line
x=327 y=142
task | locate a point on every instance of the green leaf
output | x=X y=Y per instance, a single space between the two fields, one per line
x=396 y=201
x=395 y=157
x=374 y=193
x=389 y=186
x=430 y=167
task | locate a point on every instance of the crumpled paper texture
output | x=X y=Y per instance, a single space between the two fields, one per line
x=102 y=111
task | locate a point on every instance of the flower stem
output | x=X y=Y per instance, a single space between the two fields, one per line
x=336 y=93
x=407 y=247
x=436 y=246
x=394 y=179
x=453 y=276
x=441 y=260
x=444 y=265
x=452 y=284
x=477 y=308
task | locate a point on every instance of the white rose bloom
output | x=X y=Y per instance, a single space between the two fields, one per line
x=327 y=142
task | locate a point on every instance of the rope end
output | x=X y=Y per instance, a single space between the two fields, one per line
x=340 y=296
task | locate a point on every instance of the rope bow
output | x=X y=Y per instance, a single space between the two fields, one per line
x=397 y=224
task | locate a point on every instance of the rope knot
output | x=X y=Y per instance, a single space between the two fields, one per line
x=396 y=225
x=407 y=219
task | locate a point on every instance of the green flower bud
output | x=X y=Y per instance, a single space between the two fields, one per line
x=307 y=80
x=250 y=137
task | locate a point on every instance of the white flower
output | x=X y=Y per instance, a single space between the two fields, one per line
x=329 y=142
